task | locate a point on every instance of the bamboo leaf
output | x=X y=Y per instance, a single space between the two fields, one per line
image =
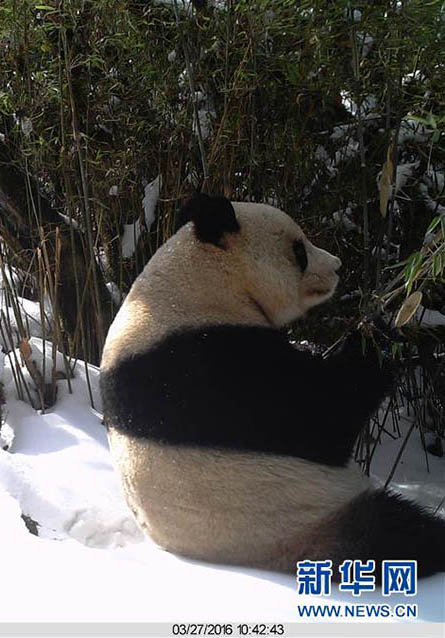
x=419 y=120
x=431 y=120
x=386 y=180
x=437 y=266
x=25 y=349
x=408 y=309
x=412 y=270
x=435 y=222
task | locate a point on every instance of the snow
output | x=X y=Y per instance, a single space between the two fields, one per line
x=151 y=196
x=348 y=148
x=70 y=221
x=430 y=318
x=91 y=563
x=351 y=149
x=412 y=478
x=343 y=217
x=205 y=114
x=411 y=131
x=130 y=239
x=115 y=292
x=25 y=317
x=414 y=76
x=365 y=42
x=132 y=232
x=367 y=108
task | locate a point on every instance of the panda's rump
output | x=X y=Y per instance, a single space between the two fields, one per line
x=227 y=506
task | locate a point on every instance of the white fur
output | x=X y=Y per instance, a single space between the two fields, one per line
x=228 y=507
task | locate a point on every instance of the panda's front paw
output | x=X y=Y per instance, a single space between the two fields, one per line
x=354 y=344
x=373 y=335
x=367 y=356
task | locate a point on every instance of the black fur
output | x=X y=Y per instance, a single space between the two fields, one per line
x=212 y=216
x=379 y=525
x=245 y=388
x=300 y=254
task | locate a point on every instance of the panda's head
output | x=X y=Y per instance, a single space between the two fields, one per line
x=279 y=268
x=229 y=263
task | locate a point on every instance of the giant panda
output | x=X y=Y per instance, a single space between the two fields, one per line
x=233 y=446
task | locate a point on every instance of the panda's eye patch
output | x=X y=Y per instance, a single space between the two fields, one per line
x=300 y=254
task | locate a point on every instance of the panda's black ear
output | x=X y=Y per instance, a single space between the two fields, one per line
x=212 y=216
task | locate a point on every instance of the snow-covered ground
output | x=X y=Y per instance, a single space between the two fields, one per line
x=90 y=562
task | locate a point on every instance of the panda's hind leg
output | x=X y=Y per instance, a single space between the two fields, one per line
x=378 y=525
